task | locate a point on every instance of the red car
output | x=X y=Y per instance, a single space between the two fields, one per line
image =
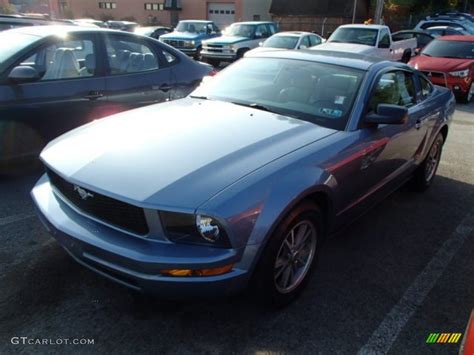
x=449 y=61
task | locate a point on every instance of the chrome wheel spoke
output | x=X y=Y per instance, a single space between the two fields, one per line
x=295 y=256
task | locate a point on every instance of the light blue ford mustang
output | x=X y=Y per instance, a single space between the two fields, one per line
x=240 y=183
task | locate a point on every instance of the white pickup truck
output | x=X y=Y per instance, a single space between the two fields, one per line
x=371 y=40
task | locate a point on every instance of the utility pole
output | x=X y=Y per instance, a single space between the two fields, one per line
x=379 y=11
x=354 y=11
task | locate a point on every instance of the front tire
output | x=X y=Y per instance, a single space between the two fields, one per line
x=426 y=172
x=290 y=256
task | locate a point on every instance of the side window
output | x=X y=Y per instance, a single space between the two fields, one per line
x=395 y=88
x=129 y=56
x=384 y=41
x=305 y=42
x=426 y=87
x=272 y=29
x=314 y=40
x=66 y=59
x=422 y=40
x=169 y=57
x=262 y=31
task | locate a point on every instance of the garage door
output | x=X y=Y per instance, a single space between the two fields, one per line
x=222 y=14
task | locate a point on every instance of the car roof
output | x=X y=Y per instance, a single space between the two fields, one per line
x=443 y=28
x=253 y=22
x=45 y=31
x=421 y=32
x=294 y=33
x=199 y=21
x=459 y=38
x=360 y=25
x=351 y=60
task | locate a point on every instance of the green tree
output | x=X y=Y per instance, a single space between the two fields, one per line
x=7 y=9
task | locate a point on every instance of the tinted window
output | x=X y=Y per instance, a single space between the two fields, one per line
x=316 y=92
x=193 y=27
x=450 y=49
x=305 y=42
x=240 y=30
x=355 y=35
x=384 y=38
x=395 y=88
x=128 y=56
x=66 y=59
x=262 y=31
x=423 y=40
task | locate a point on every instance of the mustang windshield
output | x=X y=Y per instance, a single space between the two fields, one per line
x=319 y=93
x=450 y=49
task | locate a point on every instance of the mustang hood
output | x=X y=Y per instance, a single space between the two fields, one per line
x=345 y=47
x=177 y=154
x=445 y=65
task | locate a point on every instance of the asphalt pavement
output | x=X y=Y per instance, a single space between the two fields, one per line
x=401 y=272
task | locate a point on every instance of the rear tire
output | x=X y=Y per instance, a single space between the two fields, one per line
x=290 y=256
x=426 y=172
x=241 y=53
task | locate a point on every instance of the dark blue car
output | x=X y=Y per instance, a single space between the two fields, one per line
x=53 y=79
x=240 y=183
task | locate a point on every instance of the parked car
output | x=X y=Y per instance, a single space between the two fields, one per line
x=238 y=38
x=126 y=26
x=449 y=61
x=371 y=40
x=153 y=31
x=189 y=35
x=8 y=22
x=290 y=40
x=55 y=78
x=465 y=24
x=439 y=31
x=422 y=37
x=240 y=183
x=91 y=22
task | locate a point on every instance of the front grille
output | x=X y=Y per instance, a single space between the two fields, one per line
x=174 y=43
x=103 y=208
x=215 y=46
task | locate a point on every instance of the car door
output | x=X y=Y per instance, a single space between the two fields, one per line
x=386 y=153
x=138 y=74
x=66 y=92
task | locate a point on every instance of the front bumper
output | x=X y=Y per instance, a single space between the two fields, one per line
x=224 y=55
x=459 y=86
x=133 y=261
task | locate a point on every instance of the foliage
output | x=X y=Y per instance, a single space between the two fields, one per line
x=7 y=9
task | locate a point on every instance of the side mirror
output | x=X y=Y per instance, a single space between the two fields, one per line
x=384 y=45
x=23 y=74
x=388 y=114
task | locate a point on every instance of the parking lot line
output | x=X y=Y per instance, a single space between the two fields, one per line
x=15 y=218
x=385 y=335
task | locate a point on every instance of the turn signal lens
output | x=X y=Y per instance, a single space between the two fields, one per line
x=203 y=272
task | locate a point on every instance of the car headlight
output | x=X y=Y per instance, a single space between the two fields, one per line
x=460 y=73
x=189 y=43
x=194 y=229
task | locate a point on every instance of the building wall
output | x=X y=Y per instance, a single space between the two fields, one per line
x=190 y=9
x=253 y=8
x=321 y=25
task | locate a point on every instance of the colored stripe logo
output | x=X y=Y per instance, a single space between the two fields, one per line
x=443 y=338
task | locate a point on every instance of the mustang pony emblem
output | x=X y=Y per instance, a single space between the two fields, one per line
x=83 y=193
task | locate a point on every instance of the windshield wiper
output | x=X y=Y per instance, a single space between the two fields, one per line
x=255 y=106
x=199 y=97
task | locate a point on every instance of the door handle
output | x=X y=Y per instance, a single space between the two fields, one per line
x=93 y=95
x=165 y=87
